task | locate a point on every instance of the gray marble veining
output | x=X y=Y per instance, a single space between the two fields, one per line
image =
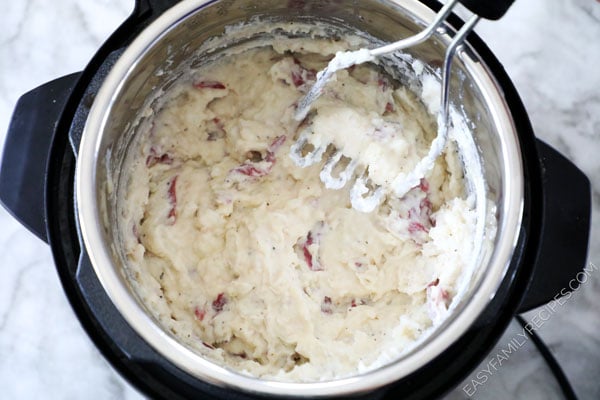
x=549 y=48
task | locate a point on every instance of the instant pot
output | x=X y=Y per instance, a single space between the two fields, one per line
x=53 y=171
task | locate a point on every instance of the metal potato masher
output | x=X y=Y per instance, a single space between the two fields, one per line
x=364 y=195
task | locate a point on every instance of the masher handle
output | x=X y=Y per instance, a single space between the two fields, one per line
x=488 y=9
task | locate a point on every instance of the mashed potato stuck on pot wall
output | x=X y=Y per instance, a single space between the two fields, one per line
x=249 y=260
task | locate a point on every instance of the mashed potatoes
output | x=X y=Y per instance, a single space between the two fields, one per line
x=249 y=259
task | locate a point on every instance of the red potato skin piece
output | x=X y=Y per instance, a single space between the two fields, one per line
x=312 y=263
x=353 y=303
x=425 y=206
x=277 y=143
x=383 y=83
x=219 y=303
x=308 y=257
x=199 y=313
x=421 y=220
x=423 y=215
x=326 y=305
x=297 y=79
x=298 y=75
x=434 y=283
x=312 y=237
x=416 y=227
x=444 y=293
x=273 y=147
x=250 y=169
x=155 y=158
x=209 y=85
x=172 y=193
x=424 y=185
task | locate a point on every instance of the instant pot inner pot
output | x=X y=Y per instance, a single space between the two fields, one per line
x=176 y=43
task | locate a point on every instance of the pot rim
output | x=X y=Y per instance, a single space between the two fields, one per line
x=99 y=252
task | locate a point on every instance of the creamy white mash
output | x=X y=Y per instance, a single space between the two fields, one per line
x=249 y=260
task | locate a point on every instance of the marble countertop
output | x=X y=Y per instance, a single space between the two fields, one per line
x=550 y=49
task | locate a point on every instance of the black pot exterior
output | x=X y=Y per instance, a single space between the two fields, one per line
x=546 y=211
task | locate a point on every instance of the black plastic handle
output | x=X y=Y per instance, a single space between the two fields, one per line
x=563 y=245
x=23 y=171
x=488 y=9
x=155 y=7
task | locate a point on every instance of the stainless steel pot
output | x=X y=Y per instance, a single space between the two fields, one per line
x=507 y=150
x=171 y=40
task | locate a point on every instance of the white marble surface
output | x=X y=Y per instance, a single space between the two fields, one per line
x=551 y=50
